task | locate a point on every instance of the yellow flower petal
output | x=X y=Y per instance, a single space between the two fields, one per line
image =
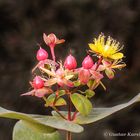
x=93 y=47
x=108 y=48
x=117 y=56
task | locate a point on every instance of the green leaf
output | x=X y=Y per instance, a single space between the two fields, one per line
x=43 y=124
x=100 y=113
x=50 y=101
x=23 y=132
x=61 y=93
x=89 y=93
x=28 y=118
x=61 y=124
x=77 y=83
x=81 y=103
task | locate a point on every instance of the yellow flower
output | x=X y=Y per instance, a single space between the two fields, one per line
x=108 y=48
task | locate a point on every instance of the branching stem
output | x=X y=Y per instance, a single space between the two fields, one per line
x=59 y=112
x=44 y=98
x=74 y=115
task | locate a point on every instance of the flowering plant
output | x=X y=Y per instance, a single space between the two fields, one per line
x=64 y=84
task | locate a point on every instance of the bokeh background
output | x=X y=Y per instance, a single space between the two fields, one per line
x=22 y=24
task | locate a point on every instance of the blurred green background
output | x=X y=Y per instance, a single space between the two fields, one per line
x=22 y=24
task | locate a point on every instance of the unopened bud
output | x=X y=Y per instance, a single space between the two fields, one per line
x=87 y=62
x=70 y=62
x=41 y=54
x=84 y=76
x=38 y=82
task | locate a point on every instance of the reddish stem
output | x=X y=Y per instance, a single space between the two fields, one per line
x=68 y=135
x=74 y=115
x=55 y=98
x=59 y=112
x=69 y=108
x=99 y=62
x=97 y=66
x=45 y=99
x=52 y=52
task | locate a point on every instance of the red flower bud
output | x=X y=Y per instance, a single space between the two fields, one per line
x=41 y=54
x=84 y=76
x=70 y=62
x=38 y=82
x=87 y=62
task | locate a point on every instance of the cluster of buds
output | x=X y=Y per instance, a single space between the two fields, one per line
x=60 y=78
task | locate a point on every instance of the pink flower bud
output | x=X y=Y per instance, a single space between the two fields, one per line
x=70 y=62
x=38 y=82
x=41 y=54
x=87 y=62
x=84 y=76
